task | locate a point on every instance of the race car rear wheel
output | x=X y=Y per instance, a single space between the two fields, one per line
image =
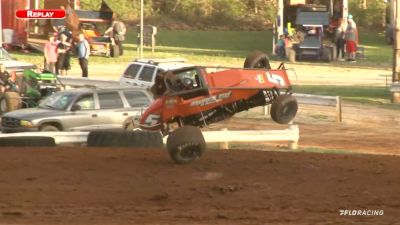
x=327 y=54
x=257 y=59
x=284 y=109
x=114 y=51
x=186 y=144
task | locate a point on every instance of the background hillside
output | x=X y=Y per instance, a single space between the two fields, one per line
x=223 y=14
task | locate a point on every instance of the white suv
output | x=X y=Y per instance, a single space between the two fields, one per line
x=142 y=72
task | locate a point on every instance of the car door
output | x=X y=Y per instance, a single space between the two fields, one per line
x=112 y=111
x=138 y=102
x=82 y=114
x=146 y=76
x=130 y=74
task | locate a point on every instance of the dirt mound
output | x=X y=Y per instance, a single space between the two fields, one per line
x=128 y=186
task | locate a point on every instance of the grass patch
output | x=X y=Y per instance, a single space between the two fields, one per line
x=220 y=47
x=376 y=96
x=327 y=151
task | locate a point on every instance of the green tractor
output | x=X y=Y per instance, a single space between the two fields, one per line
x=26 y=91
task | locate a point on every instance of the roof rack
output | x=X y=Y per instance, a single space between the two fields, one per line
x=158 y=61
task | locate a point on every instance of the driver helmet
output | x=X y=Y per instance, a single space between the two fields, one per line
x=187 y=83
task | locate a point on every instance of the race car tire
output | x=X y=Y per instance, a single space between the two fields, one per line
x=292 y=55
x=10 y=101
x=257 y=59
x=284 y=109
x=27 y=142
x=186 y=144
x=114 y=51
x=136 y=139
x=327 y=54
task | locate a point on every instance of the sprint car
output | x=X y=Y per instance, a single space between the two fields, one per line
x=187 y=99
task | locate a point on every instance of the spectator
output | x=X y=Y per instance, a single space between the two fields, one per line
x=351 y=38
x=117 y=33
x=63 y=60
x=50 y=54
x=339 y=39
x=83 y=51
x=280 y=46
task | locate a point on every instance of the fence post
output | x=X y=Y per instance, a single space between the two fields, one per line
x=338 y=109
x=266 y=110
x=294 y=145
x=224 y=145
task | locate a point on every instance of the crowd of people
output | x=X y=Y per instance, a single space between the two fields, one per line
x=345 y=38
x=57 y=53
x=57 y=50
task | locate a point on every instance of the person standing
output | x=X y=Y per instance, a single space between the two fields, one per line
x=50 y=54
x=339 y=39
x=63 y=49
x=117 y=33
x=351 y=38
x=83 y=51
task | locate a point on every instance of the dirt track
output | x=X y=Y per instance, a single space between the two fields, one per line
x=126 y=186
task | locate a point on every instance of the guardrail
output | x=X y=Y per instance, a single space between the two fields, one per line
x=306 y=99
x=321 y=100
x=81 y=81
x=291 y=135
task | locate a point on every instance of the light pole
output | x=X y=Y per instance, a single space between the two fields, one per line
x=1 y=27
x=141 y=28
x=395 y=87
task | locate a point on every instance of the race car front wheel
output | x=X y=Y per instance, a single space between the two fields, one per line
x=186 y=144
x=284 y=109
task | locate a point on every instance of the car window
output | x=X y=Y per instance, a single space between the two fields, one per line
x=58 y=101
x=137 y=98
x=147 y=74
x=110 y=100
x=132 y=70
x=85 y=102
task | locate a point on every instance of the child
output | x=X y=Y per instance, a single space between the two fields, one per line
x=280 y=47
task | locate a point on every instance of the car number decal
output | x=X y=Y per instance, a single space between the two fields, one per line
x=275 y=78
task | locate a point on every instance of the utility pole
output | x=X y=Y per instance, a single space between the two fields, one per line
x=1 y=27
x=395 y=87
x=141 y=28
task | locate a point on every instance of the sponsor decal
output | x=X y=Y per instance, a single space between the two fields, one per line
x=212 y=99
x=275 y=78
x=260 y=78
x=171 y=102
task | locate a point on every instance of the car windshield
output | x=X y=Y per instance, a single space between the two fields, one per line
x=4 y=55
x=57 y=101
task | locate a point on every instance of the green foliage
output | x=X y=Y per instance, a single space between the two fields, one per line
x=193 y=12
x=371 y=16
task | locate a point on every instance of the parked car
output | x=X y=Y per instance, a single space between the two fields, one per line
x=12 y=64
x=80 y=109
x=142 y=72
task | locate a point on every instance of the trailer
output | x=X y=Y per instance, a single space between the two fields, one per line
x=13 y=30
x=297 y=17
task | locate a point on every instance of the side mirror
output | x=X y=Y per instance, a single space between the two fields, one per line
x=75 y=108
